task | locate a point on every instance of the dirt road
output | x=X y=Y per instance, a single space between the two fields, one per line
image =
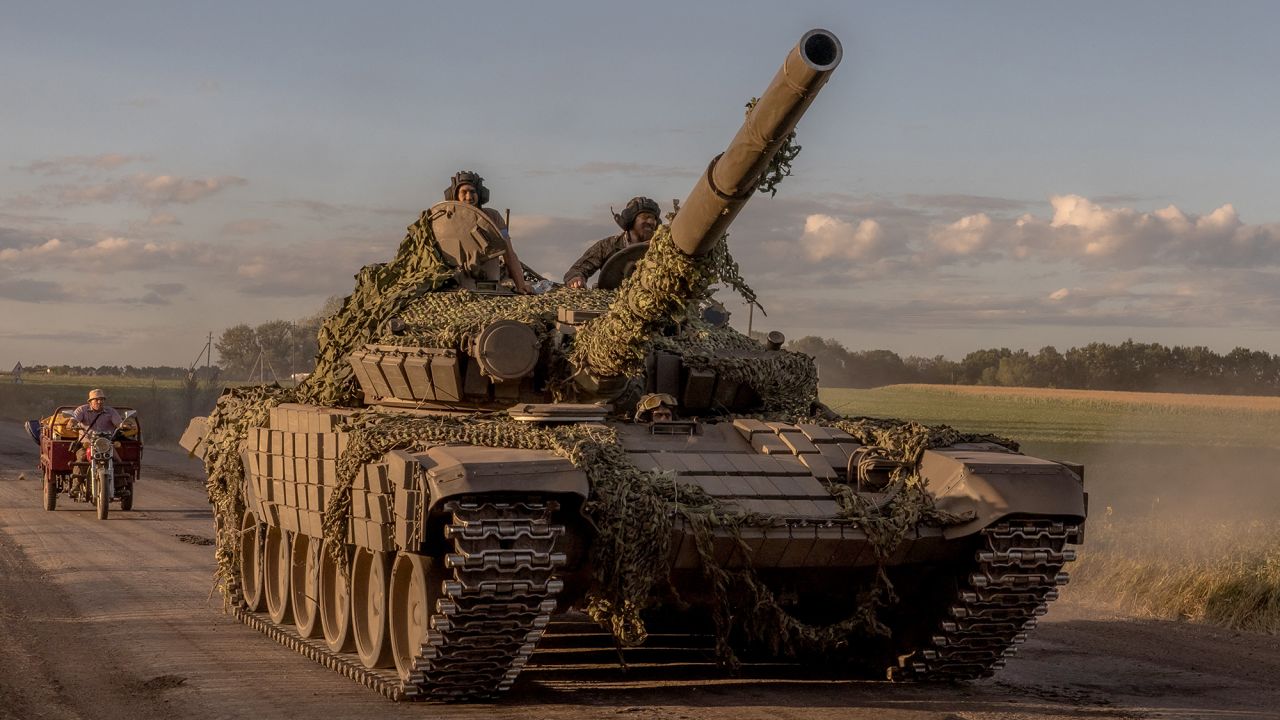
x=114 y=619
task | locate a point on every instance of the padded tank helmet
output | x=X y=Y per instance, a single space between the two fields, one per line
x=635 y=206
x=467 y=177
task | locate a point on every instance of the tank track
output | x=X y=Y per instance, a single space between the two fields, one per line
x=498 y=604
x=1017 y=573
x=487 y=620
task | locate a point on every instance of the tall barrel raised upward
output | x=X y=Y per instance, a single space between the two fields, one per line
x=732 y=176
x=612 y=346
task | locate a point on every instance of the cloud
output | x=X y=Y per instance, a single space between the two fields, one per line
x=250 y=226
x=1094 y=236
x=74 y=163
x=161 y=219
x=34 y=291
x=148 y=190
x=112 y=253
x=968 y=236
x=826 y=237
x=159 y=293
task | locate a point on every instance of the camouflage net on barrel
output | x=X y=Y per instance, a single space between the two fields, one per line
x=663 y=291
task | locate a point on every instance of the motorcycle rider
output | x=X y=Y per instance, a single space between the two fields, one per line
x=95 y=414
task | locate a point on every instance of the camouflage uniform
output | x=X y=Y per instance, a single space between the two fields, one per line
x=596 y=255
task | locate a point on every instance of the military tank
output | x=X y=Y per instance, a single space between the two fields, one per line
x=466 y=464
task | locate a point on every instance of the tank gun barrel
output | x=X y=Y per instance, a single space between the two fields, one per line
x=732 y=176
x=611 y=347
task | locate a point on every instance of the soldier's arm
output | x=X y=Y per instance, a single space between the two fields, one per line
x=590 y=262
x=514 y=267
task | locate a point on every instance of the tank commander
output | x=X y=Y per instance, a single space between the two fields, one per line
x=468 y=187
x=96 y=414
x=638 y=220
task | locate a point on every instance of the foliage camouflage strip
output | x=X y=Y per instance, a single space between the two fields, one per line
x=632 y=511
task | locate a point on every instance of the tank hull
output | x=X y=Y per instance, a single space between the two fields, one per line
x=471 y=551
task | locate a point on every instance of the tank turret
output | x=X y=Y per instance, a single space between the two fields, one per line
x=610 y=346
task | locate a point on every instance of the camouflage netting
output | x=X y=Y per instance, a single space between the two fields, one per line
x=663 y=291
x=631 y=511
x=786 y=381
x=382 y=292
x=237 y=411
x=443 y=320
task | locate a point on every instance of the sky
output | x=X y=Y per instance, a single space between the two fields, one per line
x=982 y=174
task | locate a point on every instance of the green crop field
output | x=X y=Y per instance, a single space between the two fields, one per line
x=1048 y=416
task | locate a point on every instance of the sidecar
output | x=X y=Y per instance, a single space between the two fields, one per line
x=58 y=437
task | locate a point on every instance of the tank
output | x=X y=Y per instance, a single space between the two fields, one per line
x=466 y=466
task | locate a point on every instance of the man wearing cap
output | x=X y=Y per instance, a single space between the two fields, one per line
x=638 y=220
x=468 y=187
x=95 y=415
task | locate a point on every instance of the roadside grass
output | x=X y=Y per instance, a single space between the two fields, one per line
x=1185 y=568
x=1184 y=489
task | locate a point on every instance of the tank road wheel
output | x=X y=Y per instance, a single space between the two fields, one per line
x=416 y=582
x=335 y=601
x=50 y=490
x=370 y=574
x=251 y=562
x=303 y=574
x=275 y=575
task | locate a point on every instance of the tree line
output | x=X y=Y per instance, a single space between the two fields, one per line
x=274 y=350
x=1144 y=367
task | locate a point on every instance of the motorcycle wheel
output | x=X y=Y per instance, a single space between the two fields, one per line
x=50 y=491
x=104 y=497
x=126 y=502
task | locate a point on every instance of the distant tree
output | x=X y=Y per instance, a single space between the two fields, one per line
x=276 y=343
x=936 y=370
x=1016 y=369
x=237 y=350
x=875 y=368
x=831 y=357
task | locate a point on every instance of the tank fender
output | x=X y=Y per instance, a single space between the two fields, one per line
x=453 y=470
x=993 y=485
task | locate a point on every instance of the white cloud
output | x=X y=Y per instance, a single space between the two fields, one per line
x=969 y=235
x=826 y=237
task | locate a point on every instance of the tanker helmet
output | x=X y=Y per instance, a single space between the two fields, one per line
x=635 y=206
x=467 y=177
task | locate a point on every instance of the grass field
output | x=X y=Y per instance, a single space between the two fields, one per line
x=163 y=406
x=1184 y=489
x=1074 y=416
